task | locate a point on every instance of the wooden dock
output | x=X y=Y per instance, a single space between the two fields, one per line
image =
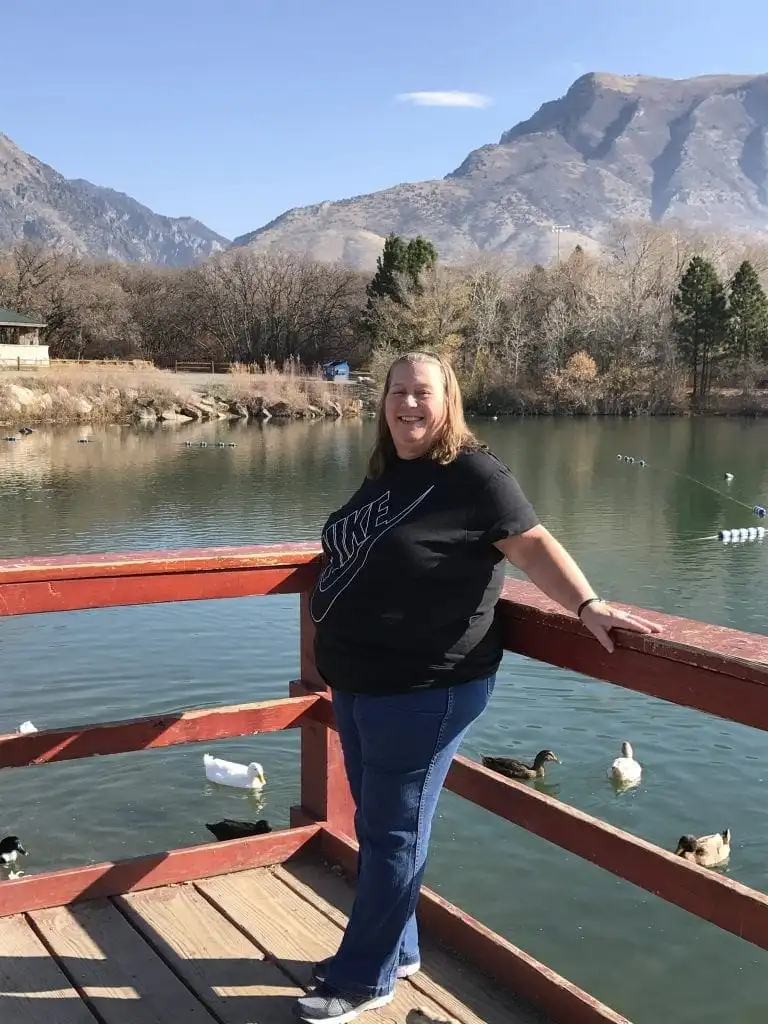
x=228 y=932
x=231 y=949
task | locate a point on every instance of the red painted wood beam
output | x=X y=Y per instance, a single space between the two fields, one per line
x=513 y=968
x=706 y=894
x=684 y=641
x=721 y=671
x=59 y=888
x=325 y=793
x=35 y=585
x=51 y=568
x=164 y=730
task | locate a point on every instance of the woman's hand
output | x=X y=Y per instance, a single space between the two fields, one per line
x=546 y=563
x=600 y=616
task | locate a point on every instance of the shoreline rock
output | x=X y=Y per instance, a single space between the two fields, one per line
x=48 y=401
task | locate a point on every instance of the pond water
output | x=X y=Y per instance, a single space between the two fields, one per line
x=634 y=530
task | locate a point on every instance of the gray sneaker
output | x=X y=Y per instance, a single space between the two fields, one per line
x=327 y=1006
x=403 y=971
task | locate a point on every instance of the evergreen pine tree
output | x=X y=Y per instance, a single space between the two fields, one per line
x=701 y=321
x=391 y=262
x=420 y=255
x=748 y=335
x=401 y=258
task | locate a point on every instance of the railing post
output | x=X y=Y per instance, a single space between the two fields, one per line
x=325 y=794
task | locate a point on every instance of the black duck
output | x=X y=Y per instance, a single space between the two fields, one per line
x=229 y=828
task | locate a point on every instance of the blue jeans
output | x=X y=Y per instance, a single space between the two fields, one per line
x=397 y=752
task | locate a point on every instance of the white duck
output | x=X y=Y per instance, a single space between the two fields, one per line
x=626 y=768
x=229 y=773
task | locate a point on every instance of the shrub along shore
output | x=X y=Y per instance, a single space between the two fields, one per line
x=145 y=396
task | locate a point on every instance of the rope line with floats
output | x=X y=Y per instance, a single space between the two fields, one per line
x=735 y=535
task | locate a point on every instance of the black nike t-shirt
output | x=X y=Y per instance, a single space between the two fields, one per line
x=411 y=578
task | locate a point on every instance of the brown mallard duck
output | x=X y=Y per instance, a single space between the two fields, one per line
x=519 y=769
x=708 y=851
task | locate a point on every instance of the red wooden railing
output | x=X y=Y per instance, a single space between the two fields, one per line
x=721 y=671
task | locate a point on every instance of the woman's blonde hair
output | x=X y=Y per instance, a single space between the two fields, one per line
x=455 y=434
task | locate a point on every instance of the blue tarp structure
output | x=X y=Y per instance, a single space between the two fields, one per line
x=337 y=370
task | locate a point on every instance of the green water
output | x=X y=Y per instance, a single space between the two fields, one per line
x=634 y=531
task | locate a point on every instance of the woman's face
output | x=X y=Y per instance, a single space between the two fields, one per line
x=415 y=407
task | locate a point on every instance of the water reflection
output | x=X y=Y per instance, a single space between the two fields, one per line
x=628 y=526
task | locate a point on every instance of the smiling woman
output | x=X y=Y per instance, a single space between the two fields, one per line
x=422 y=413
x=406 y=638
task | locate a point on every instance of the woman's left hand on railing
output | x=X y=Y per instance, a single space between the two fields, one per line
x=546 y=563
x=601 y=617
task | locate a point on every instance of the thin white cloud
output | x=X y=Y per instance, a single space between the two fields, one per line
x=450 y=98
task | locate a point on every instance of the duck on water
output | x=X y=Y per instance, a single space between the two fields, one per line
x=10 y=848
x=515 y=769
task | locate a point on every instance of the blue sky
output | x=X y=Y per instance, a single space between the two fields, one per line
x=233 y=111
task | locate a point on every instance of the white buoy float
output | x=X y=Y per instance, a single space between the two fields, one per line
x=741 y=533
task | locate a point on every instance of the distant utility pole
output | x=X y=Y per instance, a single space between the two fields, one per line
x=557 y=228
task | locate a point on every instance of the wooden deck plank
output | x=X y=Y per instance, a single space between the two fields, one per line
x=297 y=933
x=294 y=932
x=278 y=920
x=33 y=989
x=511 y=967
x=226 y=971
x=120 y=975
x=463 y=992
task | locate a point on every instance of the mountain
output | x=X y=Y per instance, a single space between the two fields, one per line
x=614 y=147
x=38 y=204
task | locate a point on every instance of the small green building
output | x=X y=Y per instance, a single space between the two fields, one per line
x=20 y=340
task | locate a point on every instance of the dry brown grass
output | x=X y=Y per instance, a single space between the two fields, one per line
x=302 y=394
x=72 y=393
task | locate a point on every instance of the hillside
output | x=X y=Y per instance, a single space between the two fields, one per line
x=614 y=147
x=40 y=205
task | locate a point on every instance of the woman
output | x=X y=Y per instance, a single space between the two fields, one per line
x=406 y=639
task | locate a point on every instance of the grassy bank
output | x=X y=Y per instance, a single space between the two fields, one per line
x=144 y=395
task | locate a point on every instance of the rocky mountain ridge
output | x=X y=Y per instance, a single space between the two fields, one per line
x=614 y=147
x=40 y=205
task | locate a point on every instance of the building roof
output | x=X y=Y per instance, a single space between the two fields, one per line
x=10 y=318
